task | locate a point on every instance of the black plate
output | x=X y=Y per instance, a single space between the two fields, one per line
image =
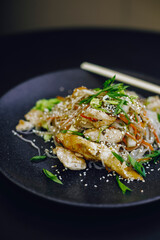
x=15 y=154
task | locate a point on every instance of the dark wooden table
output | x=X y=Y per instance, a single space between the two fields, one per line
x=23 y=56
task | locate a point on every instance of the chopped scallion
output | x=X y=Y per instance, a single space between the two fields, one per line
x=123 y=187
x=51 y=176
x=37 y=158
x=137 y=166
x=118 y=157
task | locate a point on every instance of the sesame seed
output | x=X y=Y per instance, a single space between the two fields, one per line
x=107 y=180
x=95 y=186
x=152 y=170
x=142 y=190
x=85 y=184
x=53 y=166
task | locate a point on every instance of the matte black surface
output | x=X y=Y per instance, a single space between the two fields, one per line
x=25 y=215
x=18 y=167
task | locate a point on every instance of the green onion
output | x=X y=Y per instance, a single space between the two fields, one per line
x=64 y=131
x=101 y=109
x=135 y=117
x=118 y=157
x=158 y=116
x=76 y=133
x=137 y=166
x=37 y=158
x=100 y=131
x=99 y=134
x=125 y=115
x=73 y=132
x=154 y=155
x=51 y=176
x=115 y=90
x=109 y=82
x=97 y=89
x=123 y=187
x=112 y=102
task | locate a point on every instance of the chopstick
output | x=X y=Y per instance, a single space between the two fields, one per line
x=106 y=72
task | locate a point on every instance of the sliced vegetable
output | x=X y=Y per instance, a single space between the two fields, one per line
x=89 y=118
x=43 y=104
x=123 y=187
x=154 y=155
x=135 y=117
x=95 y=103
x=158 y=116
x=137 y=166
x=111 y=102
x=47 y=137
x=72 y=132
x=148 y=145
x=112 y=90
x=37 y=158
x=118 y=157
x=51 y=176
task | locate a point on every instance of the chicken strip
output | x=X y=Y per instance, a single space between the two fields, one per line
x=97 y=152
x=108 y=135
x=35 y=117
x=24 y=126
x=81 y=92
x=69 y=159
x=98 y=118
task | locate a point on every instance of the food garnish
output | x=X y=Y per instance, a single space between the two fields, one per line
x=51 y=176
x=37 y=158
x=108 y=126
x=122 y=186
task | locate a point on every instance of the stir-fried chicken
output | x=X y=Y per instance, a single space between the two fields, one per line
x=69 y=159
x=107 y=135
x=97 y=152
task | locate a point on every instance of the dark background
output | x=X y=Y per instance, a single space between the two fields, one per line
x=26 y=216
x=40 y=36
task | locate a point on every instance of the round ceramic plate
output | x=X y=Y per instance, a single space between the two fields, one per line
x=89 y=188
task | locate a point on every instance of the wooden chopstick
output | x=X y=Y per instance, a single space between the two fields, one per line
x=106 y=72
